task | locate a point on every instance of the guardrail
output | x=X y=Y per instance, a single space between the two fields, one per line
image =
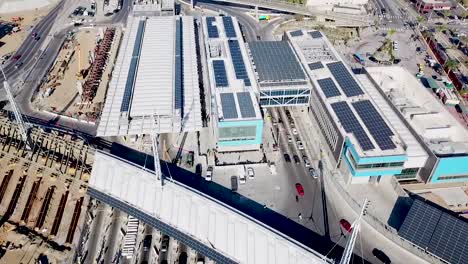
x=384 y=229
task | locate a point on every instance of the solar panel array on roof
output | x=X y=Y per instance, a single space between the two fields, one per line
x=246 y=106
x=275 y=61
x=420 y=223
x=296 y=33
x=229 y=27
x=238 y=62
x=450 y=239
x=129 y=85
x=179 y=68
x=436 y=231
x=315 y=34
x=375 y=124
x=229 y=105
x=347 y=83
x=351 y=124
x=212 y=29
x=315 y=65
x=219 y=69
x=328 y=87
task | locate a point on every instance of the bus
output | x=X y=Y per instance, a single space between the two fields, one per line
x=264 y=17
x=358 y=58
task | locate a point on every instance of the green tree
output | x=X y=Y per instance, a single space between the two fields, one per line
x=420 y=19
x=446 y=13
x=451 y=65
x=391 y=32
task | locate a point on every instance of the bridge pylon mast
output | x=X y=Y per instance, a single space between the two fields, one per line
x=356 y=226
x=23 y=128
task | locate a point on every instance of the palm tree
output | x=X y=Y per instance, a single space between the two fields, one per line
x=451 y=65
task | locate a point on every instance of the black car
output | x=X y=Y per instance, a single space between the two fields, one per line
x=380 y=255
x=287 y=158
x=296 y=159
x=147 y=242
x=234 y=184
x=198 y=169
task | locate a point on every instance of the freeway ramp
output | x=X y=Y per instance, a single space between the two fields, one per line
x=215 y=230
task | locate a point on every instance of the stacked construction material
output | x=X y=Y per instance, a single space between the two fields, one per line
x=129 y=241
x=95 y=74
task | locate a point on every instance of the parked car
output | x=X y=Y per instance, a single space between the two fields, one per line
x=346 y=225
x=299 y=189
x=147 y=242
x=250 y=172
x=300 y=146
x=313 y=173
x=380 y=255
x=164 y=243
x=234 y=185
x=190 y=156
x=198 y=169
x=286 y=157
x=209 y=173
x=294 y=131
x=296 y=159
x=242 y=178
x=290 y=140
x=306 y=161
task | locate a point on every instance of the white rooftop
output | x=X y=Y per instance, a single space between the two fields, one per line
x=153 y=89
x=442 y=133
x=417 y=156
x=317 y=54
x=210 y=222
x=217 y=50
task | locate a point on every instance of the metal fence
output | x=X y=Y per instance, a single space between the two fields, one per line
x=384 y=229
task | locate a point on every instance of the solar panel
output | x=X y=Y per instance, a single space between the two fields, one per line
x=328 y=87
x=238 y=62
x=220 y=73
x=246 y=106
x=351 y=124
x=450 y=239
x=275 y=61
x=375 y=124
x=229 y=27
x=178 y=82
x=315 y=34
x=315 y=65
x=296 y=33
x=420 y=223
x=212 y=29
x=128 y=92
x=347 y=83
x=229 y=105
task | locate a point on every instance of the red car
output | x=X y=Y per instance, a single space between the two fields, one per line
x=16 y=57
x=346 y=225
x=299 y=189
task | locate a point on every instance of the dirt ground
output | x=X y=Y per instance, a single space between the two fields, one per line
x=26 y=248
x=65 y=99
x=31 y=17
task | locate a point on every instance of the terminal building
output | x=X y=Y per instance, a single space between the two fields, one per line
x=281 y=79
x=443 y=137
x=358 y=136
x=234 y=111
x=154 y=84
x=382 y=122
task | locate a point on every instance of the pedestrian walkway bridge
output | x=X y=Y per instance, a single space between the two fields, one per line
x=210 y=227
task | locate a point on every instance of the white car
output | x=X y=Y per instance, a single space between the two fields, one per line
x=209 y=173
x=290 y=140
x=300 y=146
x=242 y=179
x=307 y=163
x=250 y=172
x=294 y=131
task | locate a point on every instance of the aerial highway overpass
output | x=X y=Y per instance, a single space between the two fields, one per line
x=284 y=6
x=210 y=227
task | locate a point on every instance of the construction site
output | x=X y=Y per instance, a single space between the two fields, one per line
x=76 y=84
x=43 y=198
